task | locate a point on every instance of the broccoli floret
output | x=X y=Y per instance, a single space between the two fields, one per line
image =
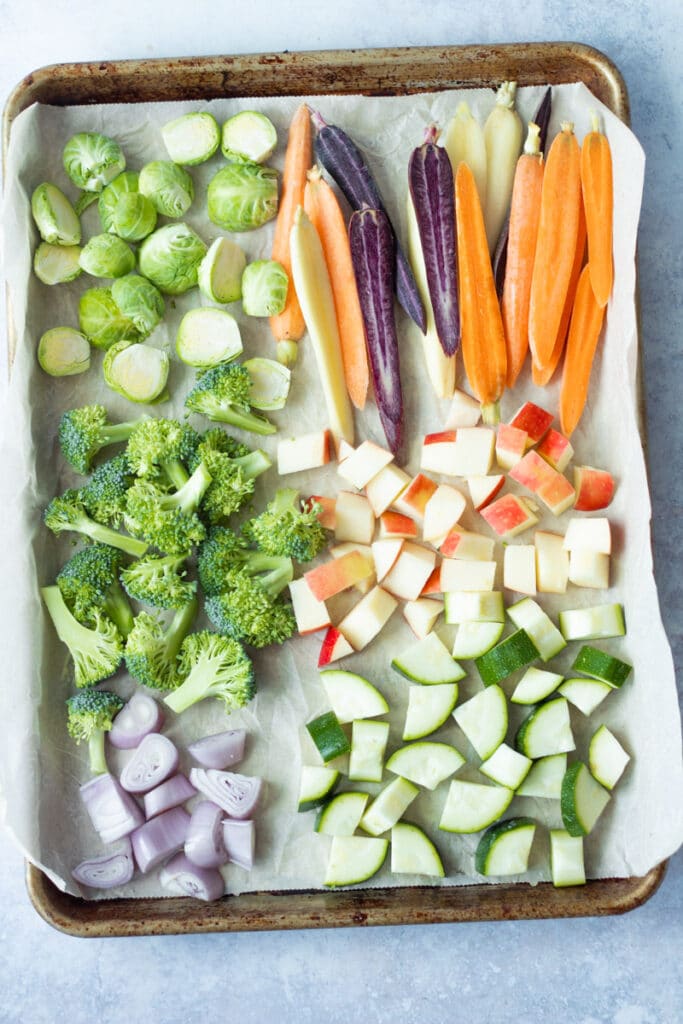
x=159 y=581
x=104 y=495
x=249 y=609
x=161 y=448
x=84 y=432
x=224 y=551
x=152 y=650
x=91 y=714
x=66 y=512
x=222 y=394
x=283 y=529
x=211 y=665
x=233 y=479
x=169 y=521
x=215 y=439
x=96 y=650
x=89 y=583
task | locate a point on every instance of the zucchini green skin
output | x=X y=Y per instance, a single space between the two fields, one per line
x=602 y=666
x=328 y=736
x=528 y=723
x=570 y=814
x=516 y=651
x=491 y=837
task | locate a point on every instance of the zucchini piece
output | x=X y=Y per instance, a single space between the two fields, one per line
x=602 y=666
x=413 y=852
x=585 y=694
x=354 y=859
x=368 y=744
x=476 y=638
x=426 y=764
x=582 y=800
x=315 y=785
x=547 y=730
x=513 y=653
x=352 y=696
x=473 y=606
x=341 y=815
x=484 y=720
x=596 y=623
x=566 y=859
x=506 y=766
x=535 y=685
x=328 y=736
x=388 y=806
x=471 y=806
x=428 y=662
x=428 y=708
x=545 y=777
x=528 y=615
x=607 y=759
x=505 y=847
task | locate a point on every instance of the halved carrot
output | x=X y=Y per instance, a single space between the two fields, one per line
x=556 y=244
x=288 y=326
x=597 y=187
x=323 y=209
x=482 y=335
x=584 y=332
x=525 y=211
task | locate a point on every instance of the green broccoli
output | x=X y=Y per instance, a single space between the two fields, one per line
x=283 y=529
x=233 y=478
x=169 y=521
x=224 y=551
x=162 y=448
x=89 y=583
x=152 y=650
x=91 y=714
x=96 y=650
x=104 y=495
x=222 y=394
x=211 y=665
x=67 y=512
x=215 y=439
x=159 y=581
x=84 y=432
x=249 y=609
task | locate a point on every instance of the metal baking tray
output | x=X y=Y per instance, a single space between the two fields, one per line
x=371 y=72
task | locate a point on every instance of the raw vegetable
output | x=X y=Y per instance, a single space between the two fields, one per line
x=566 y=859
x=238 y=795
x=249 y=609
x=101 y=320
x=107 y=871
x=528 y=615
x=316 y=785
x=471 y=806
x=582 y=800
x=484 y=720
x=330 y=739
x=192 y=138
x=503 y=133
x=354 y=859
x=225 y=552
x=171 y=793
x=104 y=495
x=602 y=666
x=212 y=666
x=158 y=839
x=63 y=352
x=428 y=708
x=55 y=217
x=90 y=715
x=153 y=761
x=208 y=336
x=264 y=288
x=204 y=842
x=159 y=581
x=96 y=650
x=220 y=272
x=506 y=766
x=233 y=469
x=545 y=777
x=512 y=653
x=139 y=301
x=92 y=160
x=89 y=583
x=158 y=450
x=134 y=217
x=584 y=333
x=547 y=730
x=241 y=197
x=607 y=758
x=169 y=521
x=388 y=806
x=505 y=847
x=140 y=715
x=426 y=764
x=113 y=812
x=151 y=650
x=183 y=877
x=137 y=371
x=284 y=528
x=239 y=838
x=66 y=513
x=341 y=815
x=463 y=140
x=428 y=661
x=594 y=623
x=170 y=258
x=56 y=264
x=168 y=186
x=368 y=745
x=413 y=853
x=108 y=200
x=248 y=138
x=222 y=394
x=269 y=383
x=585 y=694
x=221 y=750
x=107 y=256
x=597 y=191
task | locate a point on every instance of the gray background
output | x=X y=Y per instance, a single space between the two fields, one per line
x=622 y=970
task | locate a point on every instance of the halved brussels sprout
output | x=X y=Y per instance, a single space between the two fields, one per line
x=101 y=320
x=248 y=137
x=107 y=256
x=63 y=352
x=269 y=383
x=170 y=188
x=138 y=372
x=242 y=196
x=140 y=301
x=170 y=258
x=264 y=288
x=208 y=336
x=56 y=264
x=192 y=138
x=134 y=217
x=55 y=217
x=92 y=160
x=108 y=200
x=220 y=272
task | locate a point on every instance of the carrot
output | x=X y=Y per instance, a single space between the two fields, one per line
x=483 y=338
x=597 y=187
x=323 y=209
x=288 y=326
x=556 y=244
x=525 y=210
x=584 y=332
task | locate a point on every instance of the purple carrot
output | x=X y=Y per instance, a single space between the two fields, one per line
x=430 y=177
x=341 y=158
x=372 y=252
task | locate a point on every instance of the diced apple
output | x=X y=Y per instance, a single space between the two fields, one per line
x=339 y=574
x=310 y=613
x=335 y=646
x=363 y=463
x=510 y=445
x=339 y=550
x=589 y=569
x=473 y=454
x=594 y=488
x=344 y=450
x=442 y=512
x=413 y=501
x=483 y=489
x=557 y=493
x=327 y=516
x=509 y=516
x=438 y=451
x=410 y=572
x=466 y=544
x=461 y=574
x=556 y=449
x=384 y=554
x=355 y=519
x=433 y=584
x=385 y=488
x=532 y=472
x=552 y=563
x=519 y=568
x=534 y=420
x=394 y=524
x=366 y=619
x=308 y=451
x=589 y=535
x=421 y=615
x=464 y=411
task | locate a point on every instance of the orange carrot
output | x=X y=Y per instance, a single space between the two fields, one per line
x=482 y=335
x=556 y=243
x=288 y=326
x=525 y=210
x=597 y=187
x=323 y=209
x=584 y=332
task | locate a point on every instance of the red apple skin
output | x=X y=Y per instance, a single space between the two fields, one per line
x=443 y=437
x=327 y=516
x=511 y=443
x=594 y=488
x=506 y=514
x=338 y=574
x=532 y=472
x=395 y=524
x=534 y=420
x=419 y=491
x=498 y=486
x=556 y=449
x=557 y=493
x=450 y=545
x=331 y=640
x=433 y=584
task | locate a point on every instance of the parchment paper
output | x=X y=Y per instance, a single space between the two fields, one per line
x=41 y=768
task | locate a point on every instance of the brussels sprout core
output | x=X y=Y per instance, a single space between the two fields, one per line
x=54 y=215
x=92 y=160
x=138 y=372
x=63 y=352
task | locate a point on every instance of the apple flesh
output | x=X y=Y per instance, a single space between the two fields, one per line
x=344 y=450
x=410 y=572
x=339 y=550
x=433 y=584
x=384 y=554
x=421 y=615
x=557 y=493
x=594 y=488
x=394 y=524
x=413 y=501
x=552 y=563
x=438 y=452
x=519 y=568
x=532 y=472
x=473 y=453
x=339 y=574
x=510 y=445
x=556 y=449
x=466 y=544
x=464 y=575
x=464 y=411
x=354 y=518
x=327 y=516
x=483 y=489
x=442 y=512
x=589 y=569
x=364 y=463
x=308 y=451
x=509 y=516
x=367 y=618
x=589 y=535
x=384 y=488
x=334 y=646
x=310 y=613
x=534 y=420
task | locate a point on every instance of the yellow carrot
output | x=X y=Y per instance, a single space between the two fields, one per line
x=597 y=188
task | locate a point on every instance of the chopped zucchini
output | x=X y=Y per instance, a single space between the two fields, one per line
x=428 y=708
x=428 y=662
x=484 y=720
x=471 y=806
x=504 y=848
x=582 y=800
x=341 y=815
x=426 y=764
x=413 y=852
x=547 y=730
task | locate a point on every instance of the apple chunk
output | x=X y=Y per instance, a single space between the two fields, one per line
x=421 y=615
x=442 y=512
x=339 y=550
x=473 y=452
x=589 y=569
x=354 y=518
x=483 y=489
x=532 y=472
x=438 y=451
x=410 y=572
x=464 y=411
x=556 y=449
x=589 y=535
x=310 y=613
x=534 y=420
x=519 y=568
x=308 y=451
x=464 y=575
x=334 y=646
x=594 y=488
x=364 y=463
x=384 y=554
x=339 y=574
x=466 y=544
x=384 y=488
x=394 y=524
x=510 y=445
x=367 y=618
x=433 y=584
x=552 y=563
x=413 y=501
x=509 y=516
x=557 y=493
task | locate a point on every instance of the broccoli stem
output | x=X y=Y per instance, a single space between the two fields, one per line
x=176 y=473
x=180 y=627
x=118 y=609
x=188 y=498
x=275 y=581
x=253 y=464
x=245 y=421
x=105 y=535
x=98 y=761
x=193 y=689
x=114 y=433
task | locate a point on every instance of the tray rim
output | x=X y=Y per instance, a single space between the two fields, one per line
x=317 y=908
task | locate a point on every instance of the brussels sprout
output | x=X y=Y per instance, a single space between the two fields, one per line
x=192 y=138
x=108 y=200
x=269 y=383
x=134 y=217
x=54 y=215
x=208 y=336
x=139 y=301
x=55 y=264
x=138 y=372
x=85 y=199
x=107 y=256
x=220 y=272
x=170 y=258
x=101 y=320
x=63 y=352
x=92 y=160
x=242 y=196
x=264 y=288
x=248 y=137
x=170 y=188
